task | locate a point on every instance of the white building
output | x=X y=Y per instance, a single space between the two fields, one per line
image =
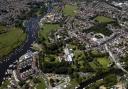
x=68 y=54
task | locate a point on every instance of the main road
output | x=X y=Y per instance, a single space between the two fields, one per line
x=31 y=30
x=115 y=60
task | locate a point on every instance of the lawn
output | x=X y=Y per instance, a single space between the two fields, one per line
x=5 y=84
x=10 y=40
x=41 y=84
x=79 y=59
x=94 y=52
x=51 y=58
x=101 y=28
x=103 y=19
x=104 y=61
x=94 y=65
x=100 y=62
x=46 y=29
x=2 y=29
x=69 y=10
x=78 y=54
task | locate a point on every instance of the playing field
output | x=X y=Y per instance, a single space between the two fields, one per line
x=46 y=29
x=104 y=61
x=69 y=10
x=103 y=19
x=10 y=40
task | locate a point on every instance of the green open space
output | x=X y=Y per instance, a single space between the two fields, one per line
x=46 y=29
x=69 y=10
x=94 y=65
x=104 y=61
x=5 y=84
x=95 y=52
x=100 y=28
x=10 y=40
x=101 y=62
x=79 y=58
x=3 y=29
x=41 y=84
x=78 y=54
x=103 y=19
x=51 y=58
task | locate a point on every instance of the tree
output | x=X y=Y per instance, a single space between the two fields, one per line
x=21 y=83
x=36 y=80
x=52 y=82
x=26 y=86
x=110 y=80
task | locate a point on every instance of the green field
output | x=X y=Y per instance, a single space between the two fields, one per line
x=101 y=27
x=104 y=62
x=5 y=84
x=103 y=19
x=46 y=29
x=41 y=84
x=51 y=58
x=69 y=10
x=10 y=40
x=2 y=29
x=78 y=54
x=94 y=65
x=100 y=62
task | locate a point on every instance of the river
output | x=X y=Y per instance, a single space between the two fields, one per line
x=31 y=29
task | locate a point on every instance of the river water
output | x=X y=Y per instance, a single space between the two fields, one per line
x=31 y=29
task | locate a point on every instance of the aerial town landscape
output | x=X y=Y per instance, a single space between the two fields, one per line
x=63 y=44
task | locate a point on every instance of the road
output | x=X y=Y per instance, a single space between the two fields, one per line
x=115 y=60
